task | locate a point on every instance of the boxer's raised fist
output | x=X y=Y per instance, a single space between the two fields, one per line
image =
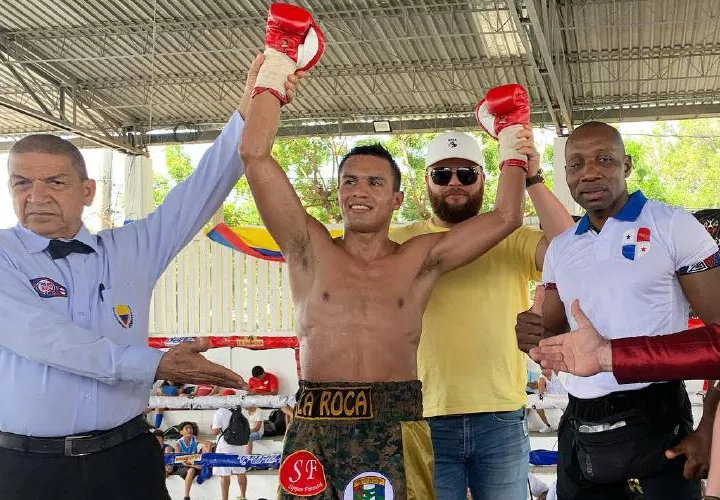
x=293 y=42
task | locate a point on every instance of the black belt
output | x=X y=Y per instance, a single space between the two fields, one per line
x=78 y=445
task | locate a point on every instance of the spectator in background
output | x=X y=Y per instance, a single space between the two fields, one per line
x=257 y=426
x=262 y=382
x=203 y=390
x=160 y=436
x=221 y=421
x=538 y=488
x=166 y=448
x=550 y=383
x=533 y=387
x=169 y=388
x=188 y=444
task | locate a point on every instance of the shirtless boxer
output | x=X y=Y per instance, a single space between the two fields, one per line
x=359 y=299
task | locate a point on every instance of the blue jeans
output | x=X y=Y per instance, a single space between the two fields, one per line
x=487 y=452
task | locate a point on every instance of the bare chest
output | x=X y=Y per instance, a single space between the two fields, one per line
x=371 y=291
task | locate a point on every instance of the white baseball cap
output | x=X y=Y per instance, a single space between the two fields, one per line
x=454 y=145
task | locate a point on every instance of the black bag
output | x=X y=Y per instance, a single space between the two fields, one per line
x=634 y=449
x=275 y=424
x=173 y=432
x=237 y=433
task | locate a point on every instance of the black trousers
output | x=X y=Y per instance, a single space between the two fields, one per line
x=668 y=418
x=131 y=470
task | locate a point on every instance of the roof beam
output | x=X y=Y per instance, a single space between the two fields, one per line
x=644 y=53
x=542 y=31
x=323 y=71
x=62 y=124
x=516 y=12
x=457 y=122
x=532 y=30
x=252 y=19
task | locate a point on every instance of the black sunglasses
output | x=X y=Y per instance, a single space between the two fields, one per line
x=442 y=176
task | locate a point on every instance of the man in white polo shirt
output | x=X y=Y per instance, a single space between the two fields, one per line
x=626 y=261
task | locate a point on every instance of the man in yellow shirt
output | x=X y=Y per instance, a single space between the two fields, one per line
x=472 y=371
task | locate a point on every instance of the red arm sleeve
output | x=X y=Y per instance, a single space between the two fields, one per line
x=687 y=355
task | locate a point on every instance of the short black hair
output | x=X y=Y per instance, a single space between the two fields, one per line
x=379 y=151
x=159 y=433
x=194 y=426
x=257 y=371
x=54 y=145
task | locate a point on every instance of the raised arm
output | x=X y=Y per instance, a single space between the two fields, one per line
x=190 y=205
x=503 y=114
x=276 y=199
x=554 y=217
x=290 y=30
x=468 y=240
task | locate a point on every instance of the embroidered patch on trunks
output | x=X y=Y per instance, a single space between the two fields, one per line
x=301 y=474
x=47 y=288
x=369 y=486
x=335 y=403
x=123 y=314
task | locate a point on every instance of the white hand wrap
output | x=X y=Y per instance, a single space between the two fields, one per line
x=507 y=139
x=274 y=71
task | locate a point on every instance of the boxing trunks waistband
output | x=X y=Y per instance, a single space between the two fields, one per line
x=357 y=401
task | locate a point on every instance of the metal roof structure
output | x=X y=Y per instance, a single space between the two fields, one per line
x=111 y=71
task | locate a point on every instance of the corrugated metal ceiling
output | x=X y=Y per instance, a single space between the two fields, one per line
x=163 y=64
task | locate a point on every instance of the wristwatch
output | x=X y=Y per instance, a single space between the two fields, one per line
x=535 y=179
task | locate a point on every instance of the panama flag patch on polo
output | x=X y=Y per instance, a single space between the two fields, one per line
x=636 y=243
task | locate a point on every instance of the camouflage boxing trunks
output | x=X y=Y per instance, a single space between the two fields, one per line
x=358 y=441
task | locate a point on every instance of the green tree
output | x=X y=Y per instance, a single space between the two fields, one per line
x=689 y=164
x=178 y=166
x=679 y=164
x=311 y=164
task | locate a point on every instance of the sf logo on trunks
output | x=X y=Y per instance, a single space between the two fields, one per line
x=302 y=474
x=335 y=403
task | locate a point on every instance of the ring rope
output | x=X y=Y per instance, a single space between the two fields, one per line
x=215 y=402
x=224 y=460
x=244 y=341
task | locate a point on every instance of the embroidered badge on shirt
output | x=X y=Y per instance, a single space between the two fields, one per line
x=369 y=486
x=636 y=243
x=302 y=474
x=47 y=288
x=123 y=314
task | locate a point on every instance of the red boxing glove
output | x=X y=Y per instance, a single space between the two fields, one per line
x=503 y=112
x=293 y=42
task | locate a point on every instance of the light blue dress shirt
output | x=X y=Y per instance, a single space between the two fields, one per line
x=74 y=331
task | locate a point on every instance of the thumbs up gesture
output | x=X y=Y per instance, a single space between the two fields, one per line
x=581 y=352
x=528 y=326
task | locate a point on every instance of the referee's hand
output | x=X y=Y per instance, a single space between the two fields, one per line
x=183 y=363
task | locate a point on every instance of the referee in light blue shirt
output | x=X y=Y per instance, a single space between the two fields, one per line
x=74 y=306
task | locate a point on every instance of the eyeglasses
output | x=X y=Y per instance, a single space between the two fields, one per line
x=442 y=176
